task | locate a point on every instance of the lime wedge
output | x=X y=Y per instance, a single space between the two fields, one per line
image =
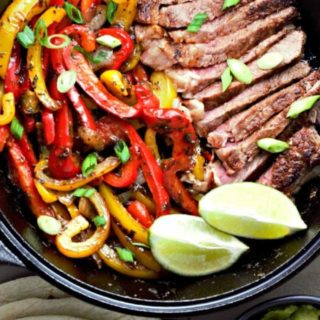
x=251 y=210
x=188 y=246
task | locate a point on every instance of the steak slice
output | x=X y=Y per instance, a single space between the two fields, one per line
x=217 y=116
x=180 y=15
x=231 y=21
x=148 y=11
x=245 y=123
x=146 y=33
x=250 y=172
x=236 y=155
x=291 y=48
x=234 y=45
x=193 y=80
x=296 y=165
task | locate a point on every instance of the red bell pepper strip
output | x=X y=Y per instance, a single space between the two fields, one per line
x=88 y=8
x=89 y=82
x=62 y=164
x=57 y=3
x=79 y=105
x=139 y=74
x=48 y=123
x=27 y=150
x=12 y=78
x=23 y=173
x=83 y=35
x=127 y=47
x=29 y=122
x=4 y=135
x=146 y=99
x=127 y=175
x=140 y=212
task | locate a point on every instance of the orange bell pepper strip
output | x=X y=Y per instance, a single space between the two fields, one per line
x=86 y=248
x=12 y=21
x=34 y=61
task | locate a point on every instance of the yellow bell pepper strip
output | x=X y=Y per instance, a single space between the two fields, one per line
x=198 y=169
x=163 y=88
x=120 y=213
x=111 y=259
x=1 y=92
x=133 y=60
x=71 y=184
x=146 y=201
x=12 y=21
x=143 y=255
x=150 y=139
x=8 y=107
x=34 y=61
x=113 y=79
x=125 y=14
x=46 y=195
x=86 y=248
x=73 y=210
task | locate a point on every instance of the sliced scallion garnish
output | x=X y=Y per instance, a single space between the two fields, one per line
x=26 y=37
x=272 y=145
x=111 y=11
x=302 y=105
x=66 y=81
x=64 y=41
x=122 y=151
x=83 y=192
x=125 y=254
x=41 y=32
x=99 y=221
x=74 y=13
x=226 y=79
x=198 y=20
x=240 y=71
x=270 y=61
x=89 y=164
x=49 y=225
x=229 y=3
x=109 y=41
x=16 y=128
x=96 y=57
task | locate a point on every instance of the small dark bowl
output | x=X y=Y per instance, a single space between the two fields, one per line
x=258 y=311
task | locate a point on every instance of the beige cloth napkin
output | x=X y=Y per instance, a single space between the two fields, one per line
x=32 y=298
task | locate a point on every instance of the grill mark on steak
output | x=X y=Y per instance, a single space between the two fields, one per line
x=217 y=116
x=234 y=45
x=292 y=168
x=291 y=48
x=231 y=21
x=245 y=123
x=236 y=155
x=193 y=80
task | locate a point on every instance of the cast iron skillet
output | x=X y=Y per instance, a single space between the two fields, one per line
x=265 y=266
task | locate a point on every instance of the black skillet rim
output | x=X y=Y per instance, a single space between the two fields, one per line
x=99 y=297
x=278 y=302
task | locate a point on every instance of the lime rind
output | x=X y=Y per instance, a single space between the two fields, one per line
x=188 y=246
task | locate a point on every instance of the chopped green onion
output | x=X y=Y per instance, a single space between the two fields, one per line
x=16 y=128
x=84 y=192
x=226 y=79
x=302 y=105
x=41 y=32
x=89 y=164
x=65 y=41
x=94 y=58
x=198 y=20
x=99 y=221
x=66 y=81
x=141 y=245
x=122 y=151
x=240 y=71
x=270 y=61
x=111 y=11
x=272 y=145
x=125 y=254
x=74 y=13
x=229 y=3
x=49 y=225
x=26 y=37
x=109 y=41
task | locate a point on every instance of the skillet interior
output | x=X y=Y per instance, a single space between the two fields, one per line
x=265 y=265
